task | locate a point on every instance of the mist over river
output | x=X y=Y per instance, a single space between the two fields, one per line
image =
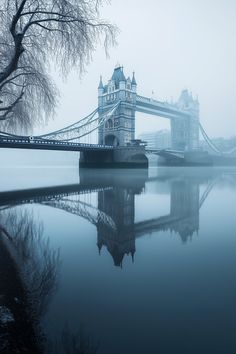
x=124 y=261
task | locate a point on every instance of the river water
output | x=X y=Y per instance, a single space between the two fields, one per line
x=126 y=262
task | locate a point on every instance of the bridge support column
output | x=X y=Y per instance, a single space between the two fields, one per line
x=121 y=157
x=179 y=133
x=185 y=133
x=96 y=158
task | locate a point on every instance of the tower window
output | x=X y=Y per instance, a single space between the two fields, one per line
x=127 y=124
x=128 y=112
x=109 y=124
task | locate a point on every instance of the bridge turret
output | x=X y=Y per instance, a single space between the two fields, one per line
x=122 y=84
x=100 y=86
x=128 y=84
x=134 y=83
x=186 y=101
x=100 y=91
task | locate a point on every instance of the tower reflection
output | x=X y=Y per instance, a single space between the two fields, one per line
x=119 y=204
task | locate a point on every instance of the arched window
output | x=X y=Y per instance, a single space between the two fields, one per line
x=116 y=123
x=109 y=124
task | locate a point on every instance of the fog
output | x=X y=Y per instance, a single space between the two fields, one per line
x=171 y=45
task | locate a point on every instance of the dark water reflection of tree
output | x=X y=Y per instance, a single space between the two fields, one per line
x=38 y=266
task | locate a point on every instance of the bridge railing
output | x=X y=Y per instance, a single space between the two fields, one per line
x=165 y=105
x=159 y=103
x=151 y=100
x=31 y=142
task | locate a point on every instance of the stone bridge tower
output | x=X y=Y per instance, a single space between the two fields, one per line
x=119 y=129
x=185 y=131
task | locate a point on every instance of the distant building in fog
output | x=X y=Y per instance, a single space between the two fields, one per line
x=157 y=140
x=221 y=143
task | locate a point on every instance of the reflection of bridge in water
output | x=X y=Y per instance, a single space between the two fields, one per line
x=119 y=203
x=113 y=209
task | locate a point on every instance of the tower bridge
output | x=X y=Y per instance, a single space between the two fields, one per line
x=111 y=126
x=119 y=129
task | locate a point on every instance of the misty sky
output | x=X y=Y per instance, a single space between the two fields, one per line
x=171 y=45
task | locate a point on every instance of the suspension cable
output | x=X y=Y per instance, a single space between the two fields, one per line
x=208 y=140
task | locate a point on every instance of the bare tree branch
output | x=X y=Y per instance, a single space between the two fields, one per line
x=34 y=33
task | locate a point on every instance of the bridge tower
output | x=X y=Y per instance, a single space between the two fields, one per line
x=185 y=131
x=118 y=203
x=119 y=129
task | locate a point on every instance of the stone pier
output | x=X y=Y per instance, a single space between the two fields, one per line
x=119 y=157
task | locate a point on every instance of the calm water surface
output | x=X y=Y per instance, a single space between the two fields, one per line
x=127 y=262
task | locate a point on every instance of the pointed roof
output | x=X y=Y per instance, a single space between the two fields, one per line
x=133 y=79
x=100 y=86
x=99 y=247
x=185 y=96
x=132 y=255
x=117 y=256
x=118 y=75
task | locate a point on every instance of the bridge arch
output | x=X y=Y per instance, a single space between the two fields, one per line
x=109 y=124
x=111 y=139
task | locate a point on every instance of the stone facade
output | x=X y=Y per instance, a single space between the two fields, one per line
x=119 y=129
x=185 y=131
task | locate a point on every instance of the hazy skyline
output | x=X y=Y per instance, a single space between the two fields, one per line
x=170 y=46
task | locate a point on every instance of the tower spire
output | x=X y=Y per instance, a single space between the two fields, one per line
x=100 y=86
x=133 y=79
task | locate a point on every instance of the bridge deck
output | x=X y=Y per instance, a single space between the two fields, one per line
x=45 y=144
x=157 y=108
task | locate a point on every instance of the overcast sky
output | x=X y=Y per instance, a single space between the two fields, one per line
x=171 y=45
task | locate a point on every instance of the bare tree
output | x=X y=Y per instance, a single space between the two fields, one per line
x=34 y=32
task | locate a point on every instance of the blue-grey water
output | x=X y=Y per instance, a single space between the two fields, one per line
x=127 y=262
